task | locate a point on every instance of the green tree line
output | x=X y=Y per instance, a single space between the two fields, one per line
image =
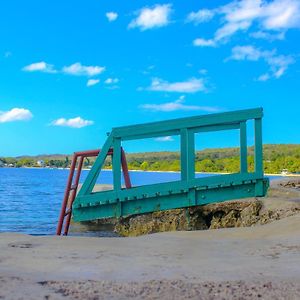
x=277 y=157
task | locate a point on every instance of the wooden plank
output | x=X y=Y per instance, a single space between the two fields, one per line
x=116 y=162
x=187 y=152
x=173 y=201
x=258 y=148
x=175 y=132
x=148 y=129
x=243 y=148
x=210 y=128
x=168 y=188
x=183 y=154
x=190 y=155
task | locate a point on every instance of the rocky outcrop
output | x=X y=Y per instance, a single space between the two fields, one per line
x=169 y=220
x=295 y=184
x=211 y=216
x=283 y=200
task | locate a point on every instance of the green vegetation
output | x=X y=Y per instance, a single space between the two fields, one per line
x=276 y=158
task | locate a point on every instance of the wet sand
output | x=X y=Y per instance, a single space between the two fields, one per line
x=260 y=262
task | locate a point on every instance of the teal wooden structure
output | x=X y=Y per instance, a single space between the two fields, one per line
x=187 y=192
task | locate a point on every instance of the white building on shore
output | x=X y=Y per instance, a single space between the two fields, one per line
x=40 y=163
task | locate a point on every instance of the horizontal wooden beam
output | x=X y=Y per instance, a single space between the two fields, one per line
x=163 y=127
x=166 y=188
x=175 y=132
x=170 y=201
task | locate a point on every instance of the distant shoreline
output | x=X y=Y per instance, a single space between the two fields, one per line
x=153 y=171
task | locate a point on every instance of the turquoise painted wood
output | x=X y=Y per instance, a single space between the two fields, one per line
x=187 y=192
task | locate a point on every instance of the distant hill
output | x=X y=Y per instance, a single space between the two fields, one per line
x=45 y=156
x=276 y=158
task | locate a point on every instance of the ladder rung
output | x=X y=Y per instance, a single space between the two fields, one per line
x=67 y=212
x=73 y=187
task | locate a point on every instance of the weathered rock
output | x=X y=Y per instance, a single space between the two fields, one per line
x=250 y=215
x=211 y=216
x=291 y=184
x=267 y=216
x=169 y=220
x=229 y=214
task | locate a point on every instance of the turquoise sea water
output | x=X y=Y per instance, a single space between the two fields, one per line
x=30 y=199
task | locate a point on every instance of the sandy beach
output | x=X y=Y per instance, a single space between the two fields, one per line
x=260 y=262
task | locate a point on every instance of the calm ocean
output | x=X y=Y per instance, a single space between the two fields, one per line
x=30 y=199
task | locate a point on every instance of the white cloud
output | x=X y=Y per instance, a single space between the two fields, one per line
x=248 y=53
x=15 y=114
x=204 y=43
x=164 y=139
x=177 y=105
x=203 y=71
x=264 y=77
x=201 y=16
x=229 y=29
x=111 y=16
x=40 y=67
x=154 y=17
x=268 y=36
x=75 y=69
x=77 y=122
x=281 y=14
x=276 y=15
x=191 y=85
x=278 y=64
x=79 y=70
x=111 y=80
x=92 y=82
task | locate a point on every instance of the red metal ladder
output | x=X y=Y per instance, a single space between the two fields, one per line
x=72 y=185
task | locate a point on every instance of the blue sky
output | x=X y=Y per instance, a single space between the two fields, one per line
x=71 y=70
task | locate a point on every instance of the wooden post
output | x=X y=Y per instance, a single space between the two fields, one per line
x=243 y=148
x=187 y=154
x=116 y=163
x=258 y=147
